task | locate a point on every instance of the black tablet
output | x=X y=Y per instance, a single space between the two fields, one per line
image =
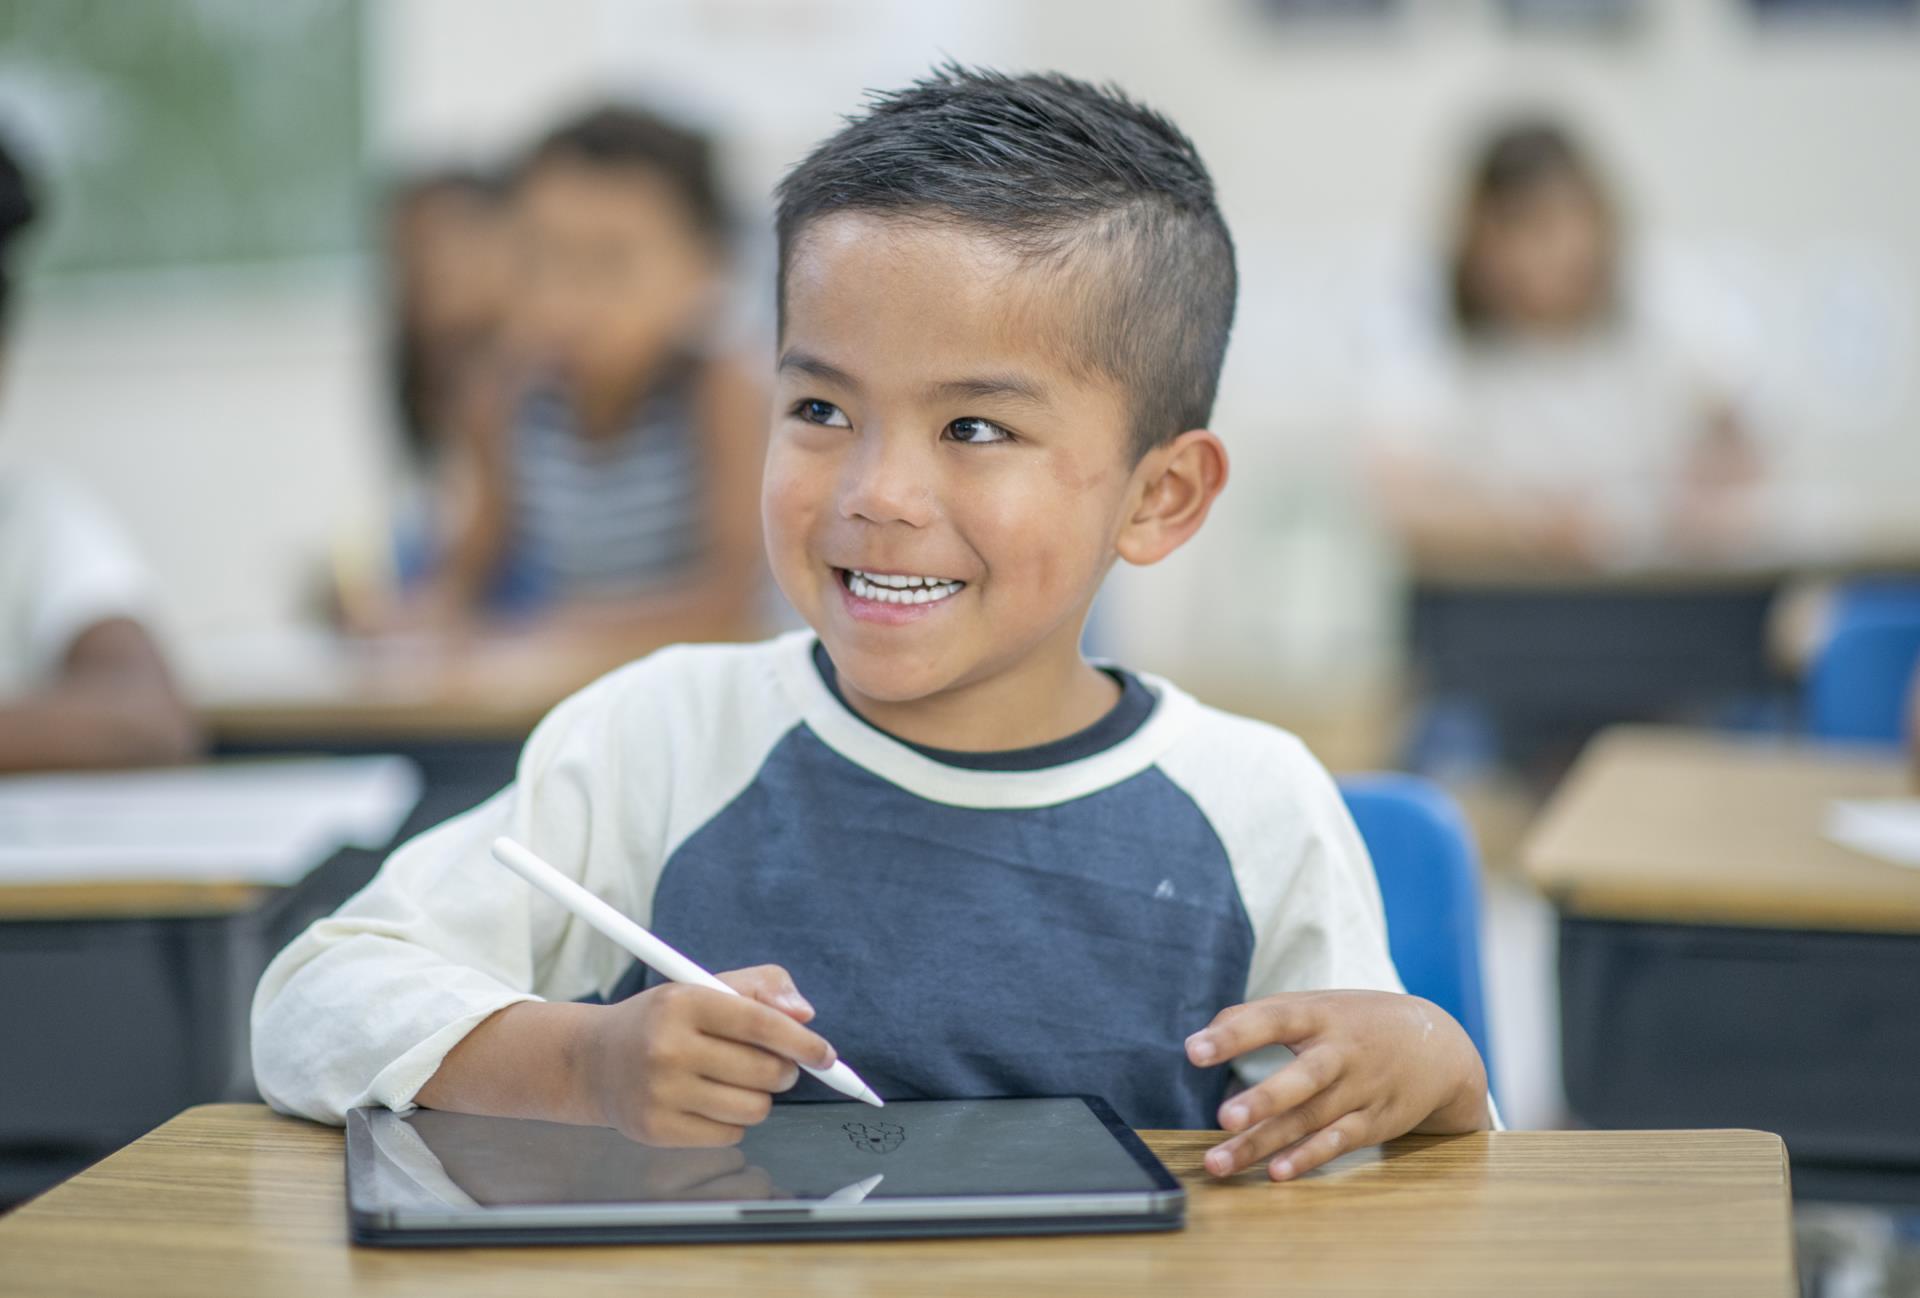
x=811 y=1170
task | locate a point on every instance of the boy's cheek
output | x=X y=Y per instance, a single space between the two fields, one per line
x=782 y=492
x=788 y=505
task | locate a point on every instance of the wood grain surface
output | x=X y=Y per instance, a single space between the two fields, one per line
x=232 y=1199
x=1686 y=826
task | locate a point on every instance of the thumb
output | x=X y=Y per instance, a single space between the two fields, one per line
x=770 y=985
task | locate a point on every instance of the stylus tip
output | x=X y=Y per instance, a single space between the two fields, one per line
x=867 y=1094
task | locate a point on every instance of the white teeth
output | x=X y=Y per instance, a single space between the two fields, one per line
x=886 y=588
x=897 y=581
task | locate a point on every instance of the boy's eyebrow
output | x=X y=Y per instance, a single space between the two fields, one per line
x=984 y=386
x=809 y=364
x=977 y=388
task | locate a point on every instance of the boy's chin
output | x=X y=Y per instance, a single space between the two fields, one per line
x=886 y=678
x=883 y=683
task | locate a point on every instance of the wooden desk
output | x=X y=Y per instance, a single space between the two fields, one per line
x=1723 y=964
x=234 y=1199
x=1686 y=827
x=143 y=899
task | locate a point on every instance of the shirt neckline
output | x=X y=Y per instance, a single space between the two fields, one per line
x=1128 y=713
x=851 y=736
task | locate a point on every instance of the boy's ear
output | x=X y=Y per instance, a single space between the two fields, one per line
x=1174 y=487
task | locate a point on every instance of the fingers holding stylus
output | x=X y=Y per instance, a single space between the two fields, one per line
x=770 y=985
x=751 y=1021
x=732 y=1064
x=682 y=1065
x=766 y=1009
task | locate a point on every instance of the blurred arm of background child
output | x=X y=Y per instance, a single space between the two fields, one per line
x=82 y=683
x=111 y=703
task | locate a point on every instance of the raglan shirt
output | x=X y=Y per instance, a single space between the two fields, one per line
x=1049 y=921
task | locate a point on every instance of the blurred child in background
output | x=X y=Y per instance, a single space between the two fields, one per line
x=603 y=475
x=448 y=239
x=449 y=268
x=82 y=682
x=1559 y=427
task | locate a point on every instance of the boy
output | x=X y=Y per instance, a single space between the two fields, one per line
x=995 y=868
x=82 y=682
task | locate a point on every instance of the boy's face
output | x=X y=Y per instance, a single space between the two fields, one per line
x=612 y=272
x=927 y=425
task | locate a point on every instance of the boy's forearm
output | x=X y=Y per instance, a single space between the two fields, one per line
x=528 y=1060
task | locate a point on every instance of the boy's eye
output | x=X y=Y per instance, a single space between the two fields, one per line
x=822 y=412
x=977 y=432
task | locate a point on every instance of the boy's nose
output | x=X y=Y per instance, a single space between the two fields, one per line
x=887 y=484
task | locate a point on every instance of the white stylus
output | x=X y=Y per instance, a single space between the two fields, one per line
x=855 y=1193
x=647 y=948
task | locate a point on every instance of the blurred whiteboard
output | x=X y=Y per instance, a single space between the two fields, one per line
x=248 y=822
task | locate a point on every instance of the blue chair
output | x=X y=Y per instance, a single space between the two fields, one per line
x=1429 y=877
x=1858 y=687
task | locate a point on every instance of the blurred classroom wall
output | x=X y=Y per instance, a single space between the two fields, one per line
x=237 y=418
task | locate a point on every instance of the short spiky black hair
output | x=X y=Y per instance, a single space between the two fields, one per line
x=1064 y=173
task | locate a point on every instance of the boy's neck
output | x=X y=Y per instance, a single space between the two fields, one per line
x=1038 y=703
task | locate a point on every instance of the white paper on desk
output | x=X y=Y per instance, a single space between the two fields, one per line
x=1888 y=828
x=248 y=822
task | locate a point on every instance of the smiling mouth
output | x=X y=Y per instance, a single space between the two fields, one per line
x=898 y=588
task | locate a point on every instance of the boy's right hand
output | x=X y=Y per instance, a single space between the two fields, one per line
x=678 y=1065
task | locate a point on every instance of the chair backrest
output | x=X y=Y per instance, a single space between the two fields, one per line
x=1429 y=876
x=1858 y=686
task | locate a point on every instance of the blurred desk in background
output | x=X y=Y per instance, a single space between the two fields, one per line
x=117 y=1003
x=1551 y=656
x=459 y=708
x=307 y=687
x=1723 y=963
x=123 y=1001
x=1545 y=662
x=1348 y=729
x=237 y=1199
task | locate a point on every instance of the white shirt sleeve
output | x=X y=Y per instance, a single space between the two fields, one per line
x=68 y=567
x=363 y=1006
x=1302 y=870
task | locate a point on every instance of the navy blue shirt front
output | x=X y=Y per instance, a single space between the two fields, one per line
x=1103 y=930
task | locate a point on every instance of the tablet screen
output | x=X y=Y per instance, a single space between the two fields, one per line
x=833 y=1152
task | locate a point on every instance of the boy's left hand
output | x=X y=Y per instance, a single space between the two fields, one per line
x=1367 y=1066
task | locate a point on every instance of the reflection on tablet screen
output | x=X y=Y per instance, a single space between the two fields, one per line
x=844 y=1152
